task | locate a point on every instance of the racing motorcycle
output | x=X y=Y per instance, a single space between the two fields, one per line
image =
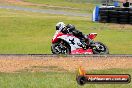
x=69 y=44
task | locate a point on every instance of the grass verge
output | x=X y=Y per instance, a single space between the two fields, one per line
x=31 y=33
x=55 y=80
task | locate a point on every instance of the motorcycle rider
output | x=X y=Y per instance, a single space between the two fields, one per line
x=70 y=29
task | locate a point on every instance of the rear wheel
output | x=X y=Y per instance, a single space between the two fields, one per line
x=100 y=48
x=60 y=48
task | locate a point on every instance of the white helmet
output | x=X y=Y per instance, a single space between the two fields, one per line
x=60 y=26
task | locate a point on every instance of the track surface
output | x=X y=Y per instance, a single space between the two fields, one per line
x=85 y=55
x=46 y=63
x=48 y=11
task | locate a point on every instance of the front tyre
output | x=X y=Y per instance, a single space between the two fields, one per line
x=100 y=48
x=60 y=48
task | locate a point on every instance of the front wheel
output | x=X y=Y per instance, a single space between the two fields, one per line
x=60 y=48
x=100 y=48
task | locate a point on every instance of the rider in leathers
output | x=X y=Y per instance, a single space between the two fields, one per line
x=70 y=29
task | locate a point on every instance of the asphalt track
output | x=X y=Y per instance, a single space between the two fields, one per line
x=84 y=55
x=45 y=11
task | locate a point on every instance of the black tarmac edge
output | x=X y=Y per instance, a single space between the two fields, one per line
x=78 y=55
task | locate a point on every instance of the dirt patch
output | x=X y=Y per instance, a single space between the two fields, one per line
x=33 y=64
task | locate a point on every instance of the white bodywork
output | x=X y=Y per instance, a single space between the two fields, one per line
x=72 y=41
x=55 y=35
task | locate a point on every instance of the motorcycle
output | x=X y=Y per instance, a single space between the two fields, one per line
x=69 y=44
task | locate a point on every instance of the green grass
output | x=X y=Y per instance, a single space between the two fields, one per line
x=31 y=33
x=64 y=1
x=74 y=4
x=80 y=6
x=56 y=80
x=65 y=5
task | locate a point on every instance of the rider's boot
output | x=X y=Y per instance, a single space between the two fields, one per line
x=84 y=45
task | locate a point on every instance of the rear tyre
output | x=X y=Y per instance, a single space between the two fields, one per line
x=60 y=48
x=100 y=48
